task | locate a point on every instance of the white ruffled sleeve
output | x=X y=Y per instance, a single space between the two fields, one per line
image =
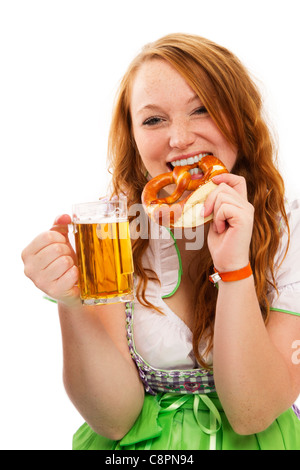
x=288 y=272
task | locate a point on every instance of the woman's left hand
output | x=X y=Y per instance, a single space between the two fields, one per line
x=230 y=232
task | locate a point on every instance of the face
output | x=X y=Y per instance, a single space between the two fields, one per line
x=169 y=121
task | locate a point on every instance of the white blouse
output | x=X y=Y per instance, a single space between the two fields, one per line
x=165 y=341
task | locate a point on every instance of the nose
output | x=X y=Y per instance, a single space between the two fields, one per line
x=181 y=136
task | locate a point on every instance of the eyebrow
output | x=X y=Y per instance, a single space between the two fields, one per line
x=193 y=98
x=150 y=107
x=154 y=107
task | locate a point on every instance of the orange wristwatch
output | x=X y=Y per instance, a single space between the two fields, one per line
x=231 y=275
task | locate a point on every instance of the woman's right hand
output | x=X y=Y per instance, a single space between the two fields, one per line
x=50 y=262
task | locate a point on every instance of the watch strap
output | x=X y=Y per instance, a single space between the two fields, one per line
x=231 y=276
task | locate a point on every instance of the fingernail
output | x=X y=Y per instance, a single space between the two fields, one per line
x=218 y=177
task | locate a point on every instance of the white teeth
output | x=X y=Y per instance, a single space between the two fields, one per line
x=195 y=171
x=190 y=160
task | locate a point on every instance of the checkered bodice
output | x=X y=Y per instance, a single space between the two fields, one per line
x=157 y=380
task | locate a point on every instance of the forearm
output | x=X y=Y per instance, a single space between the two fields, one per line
x=252 y=378
x=101 y=382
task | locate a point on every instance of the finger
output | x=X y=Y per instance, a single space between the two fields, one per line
x=40 y=242
x=226 y=215
x=238 y=183
x=50 y=253
x=214 y=196
x=226 y=197
x=65 y=286
x=58 y=267
x=231 y=211
x=210 y=204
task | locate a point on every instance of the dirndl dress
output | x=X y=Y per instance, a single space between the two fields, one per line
x=181 y=411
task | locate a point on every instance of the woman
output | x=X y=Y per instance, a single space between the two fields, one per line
x=215 y=367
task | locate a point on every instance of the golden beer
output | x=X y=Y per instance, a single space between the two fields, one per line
x=104 y=258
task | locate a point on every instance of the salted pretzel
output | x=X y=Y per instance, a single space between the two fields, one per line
x=173 y=212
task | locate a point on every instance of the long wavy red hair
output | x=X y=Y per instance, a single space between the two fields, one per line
x=234 y=103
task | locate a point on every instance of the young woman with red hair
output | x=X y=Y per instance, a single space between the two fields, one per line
x=188 y=365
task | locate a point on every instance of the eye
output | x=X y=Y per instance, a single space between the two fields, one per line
x=201 y=110
x=152 y=121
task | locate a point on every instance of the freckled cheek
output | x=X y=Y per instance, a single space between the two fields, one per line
x=150 y=149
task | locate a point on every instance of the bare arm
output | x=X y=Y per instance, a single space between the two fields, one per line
x=255 y=376
x=99 y=375
x=254 y=372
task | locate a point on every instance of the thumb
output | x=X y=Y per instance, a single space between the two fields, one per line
x=61 y=224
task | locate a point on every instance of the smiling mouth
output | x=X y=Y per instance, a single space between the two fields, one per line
x=195 y=171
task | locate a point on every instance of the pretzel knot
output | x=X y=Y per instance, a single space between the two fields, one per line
x=170 y=210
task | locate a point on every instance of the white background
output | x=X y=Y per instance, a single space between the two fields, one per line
x=61 y=61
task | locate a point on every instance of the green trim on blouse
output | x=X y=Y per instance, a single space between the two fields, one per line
x=284 y=311
x=179 y=270
x=49 y=298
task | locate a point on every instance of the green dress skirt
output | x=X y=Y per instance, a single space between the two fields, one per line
x=170 y=421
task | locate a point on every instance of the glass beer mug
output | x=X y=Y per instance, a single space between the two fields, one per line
x=103 y=249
